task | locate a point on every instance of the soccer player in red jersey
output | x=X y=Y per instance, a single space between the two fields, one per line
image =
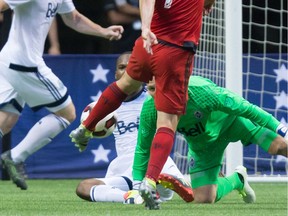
x=170 y=36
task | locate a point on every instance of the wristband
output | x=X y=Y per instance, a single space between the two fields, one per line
x=282 y=130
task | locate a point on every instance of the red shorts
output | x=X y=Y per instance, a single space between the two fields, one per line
x=171 y=66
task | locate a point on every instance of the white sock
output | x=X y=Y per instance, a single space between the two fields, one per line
x=38 y=136
x=106 y=193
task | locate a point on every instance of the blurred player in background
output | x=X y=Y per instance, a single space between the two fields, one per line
x=215 y=117
x=166 y=48
x=25 y=78
x=127 y=14
x=118 y=179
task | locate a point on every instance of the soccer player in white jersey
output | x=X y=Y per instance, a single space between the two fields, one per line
x=25 y=78
x=118 y=179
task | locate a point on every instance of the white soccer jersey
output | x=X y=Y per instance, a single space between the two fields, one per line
x=29 y=29
x=126 y=136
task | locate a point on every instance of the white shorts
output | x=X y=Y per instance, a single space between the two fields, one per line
x=38 y=88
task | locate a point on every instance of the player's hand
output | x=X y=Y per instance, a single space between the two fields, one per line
x=80 y=136
x=149 y=39
x=208 y=7
x=114 y=32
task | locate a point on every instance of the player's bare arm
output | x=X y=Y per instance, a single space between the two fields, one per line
x=82 y=24
x=146 y=12
x=3 y=6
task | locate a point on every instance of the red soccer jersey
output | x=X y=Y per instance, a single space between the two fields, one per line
x=176 y=21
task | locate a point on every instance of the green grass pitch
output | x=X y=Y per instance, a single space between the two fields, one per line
x=57 y=197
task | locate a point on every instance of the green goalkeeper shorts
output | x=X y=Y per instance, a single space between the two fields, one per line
x=205 y=164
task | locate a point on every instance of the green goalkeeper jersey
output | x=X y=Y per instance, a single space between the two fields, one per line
x=210 y=112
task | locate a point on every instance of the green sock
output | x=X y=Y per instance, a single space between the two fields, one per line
x=227 y=184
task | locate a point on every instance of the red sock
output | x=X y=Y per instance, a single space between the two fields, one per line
x=159 y=152
x=111 y=98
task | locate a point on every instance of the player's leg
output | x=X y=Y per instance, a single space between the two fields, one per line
x=173 y=67
x=205 y=165
x=159 y=152
x=8 y=118
x=56 y=100
x=208 y=187
x=84 y=187
x=104 y=189
x=11 y=105
x=43 y=132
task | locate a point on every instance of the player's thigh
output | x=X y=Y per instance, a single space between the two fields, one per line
x=172 y=69
x=8 y=94
x=208 y=157
x=140 y=67
x=120 y=182
x=42 y=88
x=205 y=177
x=68 y=111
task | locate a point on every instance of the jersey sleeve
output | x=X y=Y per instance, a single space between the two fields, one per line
x=146 y=132
x=66 y=7
x=216 y=98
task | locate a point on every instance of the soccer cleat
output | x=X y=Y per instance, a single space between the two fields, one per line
x=133 y=197
x=180 y=186
x=148 y=193
x=15 y=171
x=81 y=136
x=247 y=192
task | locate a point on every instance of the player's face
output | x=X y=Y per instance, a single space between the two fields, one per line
x=151 y=87
x=121 y=65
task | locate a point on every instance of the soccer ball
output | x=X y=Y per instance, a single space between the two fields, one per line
x=104 y=127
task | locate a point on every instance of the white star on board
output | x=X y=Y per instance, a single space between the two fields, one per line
x=101 y=154
x=99 y=74
x=96 y=97
x=283 y=121
x=281 y=100
x=282 y=73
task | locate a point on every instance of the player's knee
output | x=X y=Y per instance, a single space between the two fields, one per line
x=81 y=191
x=71 y=117
x=204 y=196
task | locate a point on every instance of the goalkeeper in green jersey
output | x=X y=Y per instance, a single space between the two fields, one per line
x=214 y=117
